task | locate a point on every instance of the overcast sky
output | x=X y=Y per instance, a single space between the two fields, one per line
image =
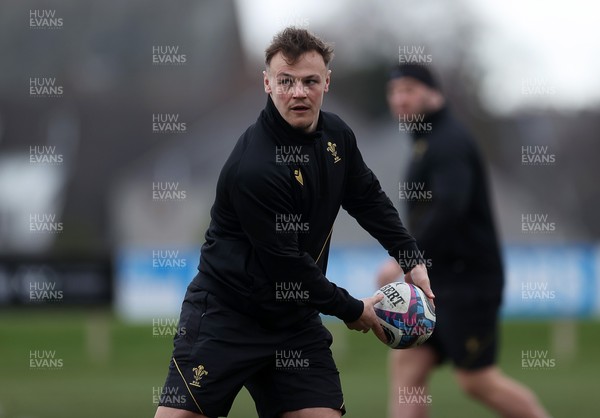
x=534 y=53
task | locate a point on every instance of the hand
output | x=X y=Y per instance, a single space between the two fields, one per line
x=389 y=272
x=368 y=319
x=418 y=276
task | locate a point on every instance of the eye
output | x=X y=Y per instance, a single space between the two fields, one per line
x=284 y=81
x=311 y=82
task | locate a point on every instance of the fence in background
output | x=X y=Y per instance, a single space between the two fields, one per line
x=556 y=282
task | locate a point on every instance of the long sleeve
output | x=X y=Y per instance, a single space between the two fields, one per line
x=264 y=204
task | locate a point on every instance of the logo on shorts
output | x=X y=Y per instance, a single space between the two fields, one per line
x=332 y=149
x=472 y=345
x=199 y=373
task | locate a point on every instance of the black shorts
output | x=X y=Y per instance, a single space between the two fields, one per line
x=466 y=333
x=219 y=350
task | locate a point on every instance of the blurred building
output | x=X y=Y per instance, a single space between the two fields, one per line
x=116 y=118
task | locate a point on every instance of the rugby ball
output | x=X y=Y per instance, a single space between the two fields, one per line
x=406 y=315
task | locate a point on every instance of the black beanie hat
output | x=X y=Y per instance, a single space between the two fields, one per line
x=417 y=71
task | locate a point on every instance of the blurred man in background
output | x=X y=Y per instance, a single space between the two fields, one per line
x=449 y=214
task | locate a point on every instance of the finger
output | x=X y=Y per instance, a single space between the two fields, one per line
x=378 y=331
x=428 y=292
x=425 y=286
x=373 y=300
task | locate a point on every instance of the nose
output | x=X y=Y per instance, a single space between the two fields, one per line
x=399 y=102
x=299 y=90
x=399 y=99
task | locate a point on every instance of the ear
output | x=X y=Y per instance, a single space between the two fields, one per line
x=266 y=83
x=327 y=80
x=437 y=99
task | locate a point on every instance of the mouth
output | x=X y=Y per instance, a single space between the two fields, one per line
x=299 y=109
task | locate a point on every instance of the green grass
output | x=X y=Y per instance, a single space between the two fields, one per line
x=136 y=362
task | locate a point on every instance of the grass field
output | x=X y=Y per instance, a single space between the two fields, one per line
x=117 y=380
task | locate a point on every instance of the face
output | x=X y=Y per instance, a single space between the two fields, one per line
x=297 y=89
x=408 y=96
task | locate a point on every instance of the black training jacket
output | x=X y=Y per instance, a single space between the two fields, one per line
x=277 y=198
x=453 y=223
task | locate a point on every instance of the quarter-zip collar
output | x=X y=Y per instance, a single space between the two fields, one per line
x=283 y=132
